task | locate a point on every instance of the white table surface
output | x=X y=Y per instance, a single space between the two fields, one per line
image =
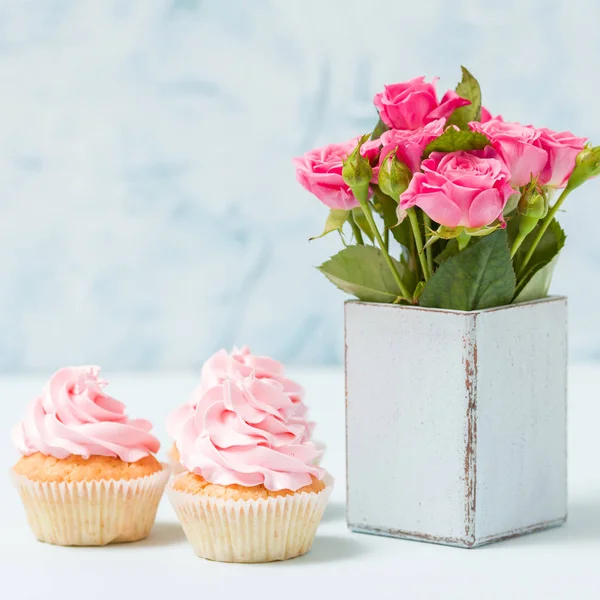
x=563 y=563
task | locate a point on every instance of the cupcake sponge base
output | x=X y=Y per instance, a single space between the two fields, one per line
x=251 y=530
x=40 y=467
x=197 y=485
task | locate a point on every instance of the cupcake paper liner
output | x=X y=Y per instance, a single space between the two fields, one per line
x=250 y=531
x=92 y=513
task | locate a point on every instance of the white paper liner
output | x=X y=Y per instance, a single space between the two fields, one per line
x=250 y=531
x=92 y=513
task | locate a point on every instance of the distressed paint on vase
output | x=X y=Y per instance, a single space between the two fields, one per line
x=456 y=421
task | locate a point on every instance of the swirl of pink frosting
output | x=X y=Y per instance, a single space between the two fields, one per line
x=238 y=365
x=73 y=415
x=241 y=432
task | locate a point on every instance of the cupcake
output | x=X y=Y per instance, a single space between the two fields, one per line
x=238 y=365
x=87 y=475
x=250 y=491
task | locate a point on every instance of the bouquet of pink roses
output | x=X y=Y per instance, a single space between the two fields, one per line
x=467 y=197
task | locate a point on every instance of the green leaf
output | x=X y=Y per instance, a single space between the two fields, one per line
x=550 y=245
x=335 y=221
x=481 y=276
x=457 y=139
x=537 y=285
x=558 y=243
x=380 y=128
x=469 y=89
x=363 y=272
x=385 y=207
x=536 y=281
x=449 y=251
x=361 y=221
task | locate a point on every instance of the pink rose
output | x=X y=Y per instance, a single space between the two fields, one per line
x=320 y=172
x=414 y=103
x=468 y=189
x=518 y=146
x=562 y=149
x=409 y=144
x=486 y=115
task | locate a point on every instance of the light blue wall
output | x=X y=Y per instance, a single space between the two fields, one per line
x=148 y=207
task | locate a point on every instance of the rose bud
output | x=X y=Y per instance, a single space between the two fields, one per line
x=394 y=176
x=357 y=170
x=587 y=164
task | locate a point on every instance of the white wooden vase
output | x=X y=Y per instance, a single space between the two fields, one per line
x=456 y=421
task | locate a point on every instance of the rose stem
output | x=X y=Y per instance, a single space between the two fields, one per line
x=517 y=244
x=355 y=229
x=363 y=199
x=545 y=224
x=414 y=223
x=429 y=249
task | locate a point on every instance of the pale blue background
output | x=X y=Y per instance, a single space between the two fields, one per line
x=149 y=212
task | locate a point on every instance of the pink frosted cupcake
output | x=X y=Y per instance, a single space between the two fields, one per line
x=250 y=491
x=238 y=365
x=87 y=475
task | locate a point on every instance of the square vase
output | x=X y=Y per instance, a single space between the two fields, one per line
x=456 y=421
